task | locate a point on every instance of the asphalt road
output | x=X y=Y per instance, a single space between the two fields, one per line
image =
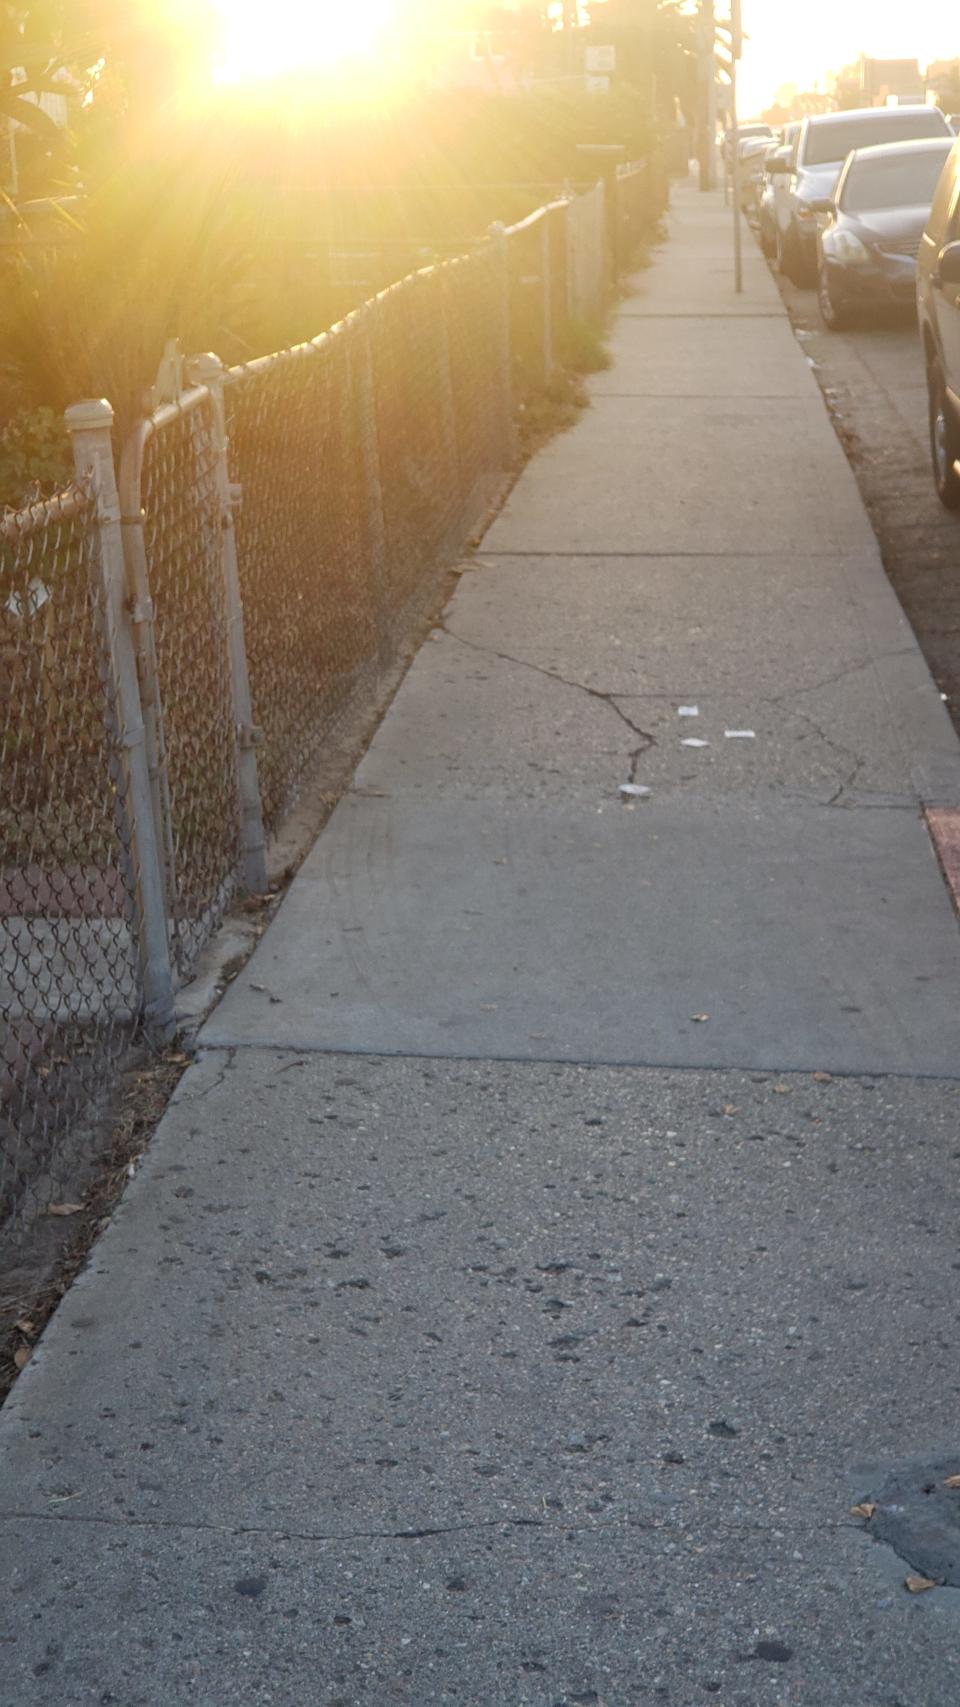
x=874 y=383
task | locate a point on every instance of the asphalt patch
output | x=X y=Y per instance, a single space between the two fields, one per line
x=919 y=1518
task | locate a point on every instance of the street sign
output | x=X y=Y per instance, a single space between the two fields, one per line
x=602 y=59
x=598 y=85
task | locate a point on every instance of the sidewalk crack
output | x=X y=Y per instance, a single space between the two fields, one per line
x=646 y=739
x=842 y=752
x=215 y=1084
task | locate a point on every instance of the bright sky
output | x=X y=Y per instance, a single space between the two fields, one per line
x=791 y=43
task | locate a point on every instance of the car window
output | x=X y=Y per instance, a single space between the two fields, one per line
x=892 y=180
x=829 y=142
x=940 y=211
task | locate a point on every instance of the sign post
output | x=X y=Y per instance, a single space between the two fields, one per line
x=736 y=49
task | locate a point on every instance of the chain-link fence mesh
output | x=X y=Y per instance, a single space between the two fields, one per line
x=477 y=330
x=182 y=536
x=530 y=332
x=639 y=201
x=296 y=430
x=416 y=437
x=588 y=254
x=69 y=963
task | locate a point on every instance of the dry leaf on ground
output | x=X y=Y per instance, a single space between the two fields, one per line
x=782 y=1090
x=699 y=1019
x=66 y=1209
x=919 y=1585
x=952 y=1482
x=22 y=1356
x=25 y=1326
x=866 y=1509
x=823 y=1078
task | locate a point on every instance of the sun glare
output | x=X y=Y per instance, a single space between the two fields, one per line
x=297 y=35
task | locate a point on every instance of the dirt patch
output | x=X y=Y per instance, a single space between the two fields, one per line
x=40 y=1268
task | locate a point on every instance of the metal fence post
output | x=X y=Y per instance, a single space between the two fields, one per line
x=547 y=286
x=574 y=232
x=498 y=237
x=208 y=370
x=365 y=407
x=89 y=425
x=141 y=616
x=448 y=407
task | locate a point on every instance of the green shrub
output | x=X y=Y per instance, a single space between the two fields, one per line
x=34 y=456
x=581 y=347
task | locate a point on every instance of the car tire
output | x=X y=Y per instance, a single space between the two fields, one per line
x=944 y=440
x=789 y=259
x=834 y=317
x=768 y=242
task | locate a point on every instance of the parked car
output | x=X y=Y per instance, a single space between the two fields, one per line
x=743 y=132
x=772 y=187
x=868 y=246
x=820 y=150
x=938 y=309
x=953 y=120
x=753 y=153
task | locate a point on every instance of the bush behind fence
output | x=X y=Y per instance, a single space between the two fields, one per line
x=179 y=642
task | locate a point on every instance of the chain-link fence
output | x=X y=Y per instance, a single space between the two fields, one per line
x=178 y=646
x=70 y=987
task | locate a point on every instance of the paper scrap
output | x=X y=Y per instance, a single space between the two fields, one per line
x=740 y=734
x=634 y=790
x=692 y=741
x=688 y=711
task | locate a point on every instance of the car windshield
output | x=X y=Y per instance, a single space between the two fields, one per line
x=829 y=142
x=893 y=180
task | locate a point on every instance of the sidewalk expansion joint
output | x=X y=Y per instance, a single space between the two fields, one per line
x=705 y=314
x=646 y=739
x=615 y=555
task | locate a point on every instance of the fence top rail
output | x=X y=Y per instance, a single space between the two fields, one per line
x=16 y=525
x=536 y=216
x=130 y=472
x=351 y=322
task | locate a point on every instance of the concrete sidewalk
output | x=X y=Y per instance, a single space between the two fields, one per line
x=558 y=1231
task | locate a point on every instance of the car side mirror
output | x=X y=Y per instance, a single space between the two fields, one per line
x=948 y=266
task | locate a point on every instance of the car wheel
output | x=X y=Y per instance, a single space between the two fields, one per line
x=944 y=440
x=835 y=318
x=768 y=242
x=789 y=259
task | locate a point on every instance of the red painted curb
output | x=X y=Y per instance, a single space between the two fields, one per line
x=943 y=822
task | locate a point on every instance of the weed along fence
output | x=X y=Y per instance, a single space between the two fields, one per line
x=183 y=628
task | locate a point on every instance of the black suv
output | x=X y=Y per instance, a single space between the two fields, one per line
x=938 y=307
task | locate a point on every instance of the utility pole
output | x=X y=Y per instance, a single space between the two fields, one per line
x=736 y=49
x=708 y=94
x=569 y=24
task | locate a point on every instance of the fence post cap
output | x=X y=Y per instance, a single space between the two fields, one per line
x=89 y=412
x=206 y=368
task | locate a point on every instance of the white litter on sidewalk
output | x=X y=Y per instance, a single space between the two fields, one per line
x=740 y=734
